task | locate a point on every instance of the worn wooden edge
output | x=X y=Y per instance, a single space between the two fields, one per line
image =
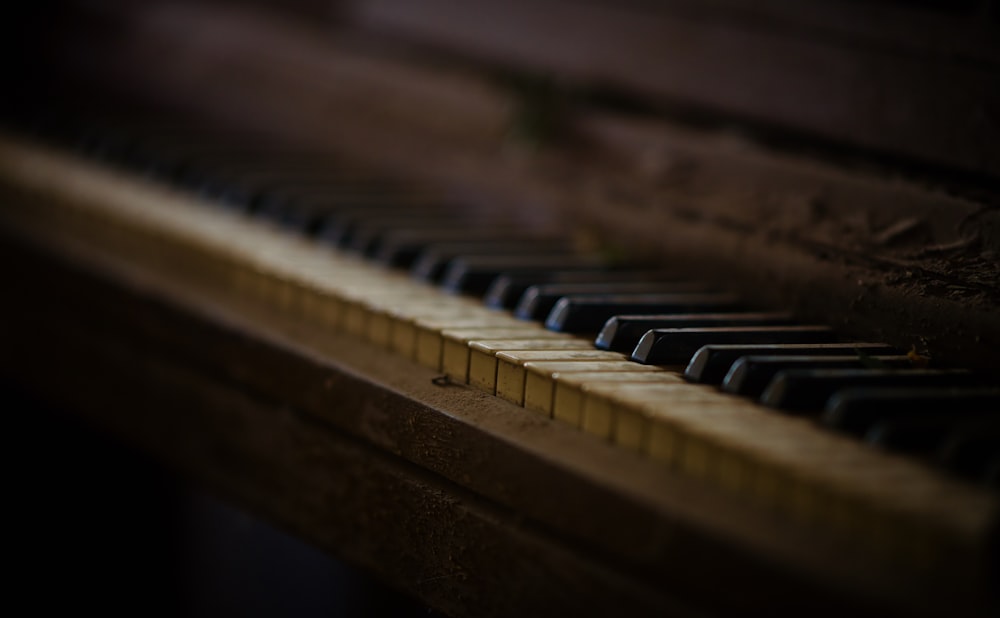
x=155 y=374
x=717 y=536
x=421 y=533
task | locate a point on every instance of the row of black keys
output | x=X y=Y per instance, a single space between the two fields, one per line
x=870 y=390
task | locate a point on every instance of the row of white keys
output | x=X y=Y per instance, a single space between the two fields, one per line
x=456 y=355
x=786 y=464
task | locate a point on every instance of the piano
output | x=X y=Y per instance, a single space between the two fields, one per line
x=738 y=350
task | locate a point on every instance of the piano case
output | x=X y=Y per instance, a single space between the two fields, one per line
x=835 y=160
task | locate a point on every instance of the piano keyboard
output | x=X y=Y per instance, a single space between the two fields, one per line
x=650 y=385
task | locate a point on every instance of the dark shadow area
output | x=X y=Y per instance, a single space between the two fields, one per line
x=96 y=526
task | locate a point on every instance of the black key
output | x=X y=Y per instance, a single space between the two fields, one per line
x=803 y=390
x=858 y=410
x=174 y=167
x=971 y=450
x=622 y=332
x=307 y=216
x=351 y=212
x=403 y=249
x=228 y=188
x=216 y=176
x=710 y=364
x=105 y=145
x=431 y=264
x=473 y=274
x=506 y=290
x=277 y=201
x=909 y=435
x=917 y=433
x=750 y=375
x=153 y=161
x=305 y=219
x=587 y=314
x=270 y=195
x=193 y=175
x=270 y=176
x=538 y=300
x=335 y=189
x=992 y=478
x=675 y=346
x=230 y=192
x=368 y=235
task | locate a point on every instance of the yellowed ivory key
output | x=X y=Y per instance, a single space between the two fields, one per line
x=540 y=378
x=511 y=372
x=621 y=405
x=456 y=345
x=571 y=387
x=483 y=356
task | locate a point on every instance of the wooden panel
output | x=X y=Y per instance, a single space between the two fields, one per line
x=909 y=89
